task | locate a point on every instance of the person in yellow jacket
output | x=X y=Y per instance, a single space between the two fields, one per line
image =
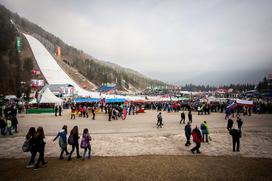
x=9 y=126
x=205 y=131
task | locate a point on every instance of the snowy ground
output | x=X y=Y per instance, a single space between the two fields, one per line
x=138 y=135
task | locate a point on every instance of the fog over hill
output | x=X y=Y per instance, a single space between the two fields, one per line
x=217 y=78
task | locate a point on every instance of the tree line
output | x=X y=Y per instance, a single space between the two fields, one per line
x=15 y=71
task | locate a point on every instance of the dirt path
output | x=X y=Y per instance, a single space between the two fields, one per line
x=194 y=167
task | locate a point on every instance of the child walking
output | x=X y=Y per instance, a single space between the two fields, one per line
x=85 y=143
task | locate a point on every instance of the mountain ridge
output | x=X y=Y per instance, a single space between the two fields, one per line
x=95 y=70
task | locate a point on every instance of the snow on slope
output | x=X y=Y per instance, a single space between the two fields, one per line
x=52 y=72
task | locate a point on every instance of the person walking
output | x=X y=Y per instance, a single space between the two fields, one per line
x=73 y=140
x=85 y=143
x=62 y=135
x=182 y=115
x=188 y=132
x=30 y=137
x=93 y=112
x=14 y=122
x=110 y=112
x=81 y=110
x=60 y=110
x=40 y=146
x=239 y=123
x=197 y=138
x=9 y=125
x=190 y=116
x=56 y=110
x=159 y=120
x=236 y=135
x=85 y=109
x=73 y=112
x=205 y=131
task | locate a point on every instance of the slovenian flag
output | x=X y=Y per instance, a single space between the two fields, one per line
x=232 y=106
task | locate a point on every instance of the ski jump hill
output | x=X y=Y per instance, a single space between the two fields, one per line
x=51 y=70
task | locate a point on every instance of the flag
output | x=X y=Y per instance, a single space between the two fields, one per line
x=232 y=106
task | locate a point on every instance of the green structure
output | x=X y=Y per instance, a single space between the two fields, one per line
x=18 y=44
x=40 y=110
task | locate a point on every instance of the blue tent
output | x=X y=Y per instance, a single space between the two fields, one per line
x=80 y=100
x=113 y=100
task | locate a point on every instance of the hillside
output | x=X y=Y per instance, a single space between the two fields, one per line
x=15 y=69
x=94 y=70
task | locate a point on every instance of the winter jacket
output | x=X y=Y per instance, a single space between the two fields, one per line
x=31 y=141
x=39 y=143
x=9 y=123
x=85 y=142
x=182 y=115
x=204 y=128
x=197 y=137
x=188 y=130
x=230 y=124
x=62 y=138
x=75 y=139
x=159 y=117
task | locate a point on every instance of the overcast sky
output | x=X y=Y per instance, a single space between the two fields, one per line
x=216 y=42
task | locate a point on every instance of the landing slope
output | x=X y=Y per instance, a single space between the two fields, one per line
x=52 y=72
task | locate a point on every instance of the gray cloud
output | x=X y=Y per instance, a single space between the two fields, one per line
x=165 y=38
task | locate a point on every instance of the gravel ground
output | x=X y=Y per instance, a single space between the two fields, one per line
x=134 y=149
x=138 y=135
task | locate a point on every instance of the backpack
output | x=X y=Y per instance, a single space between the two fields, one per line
x=26 y=145
x=70 y=140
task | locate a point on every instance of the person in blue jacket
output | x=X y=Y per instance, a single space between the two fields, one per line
x=205 y=131
x=62 y=134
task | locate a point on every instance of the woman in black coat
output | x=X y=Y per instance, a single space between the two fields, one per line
x=31 y=140
x=40 y=145
x=75 y=144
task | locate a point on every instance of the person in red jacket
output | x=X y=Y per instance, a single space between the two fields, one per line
x=197 y=138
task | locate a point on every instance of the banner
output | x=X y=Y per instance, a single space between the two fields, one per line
x=37 y=83
x=244 y=102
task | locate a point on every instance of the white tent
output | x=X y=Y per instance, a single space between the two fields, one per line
x=47 y=96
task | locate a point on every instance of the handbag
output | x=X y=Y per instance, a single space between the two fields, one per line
x=26 y=145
